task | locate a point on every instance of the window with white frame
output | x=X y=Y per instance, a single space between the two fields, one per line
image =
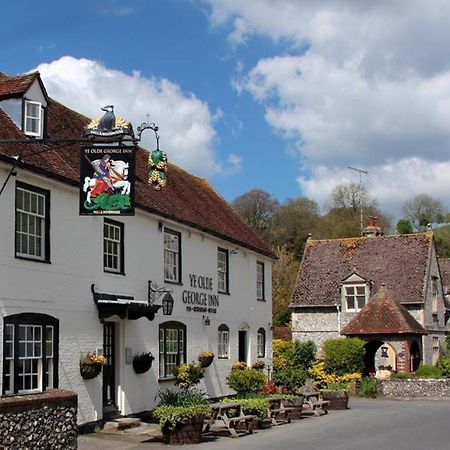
x=223 y=342
x=435 y=349
x=434 y=295
x=172 y=256
x=32 y=222
x=261 y=343
x=33 y=118
x=30 y=350
x=172 y=347
x=113 y=246
x=260 y=293
x=222 y=270
x=355 y=297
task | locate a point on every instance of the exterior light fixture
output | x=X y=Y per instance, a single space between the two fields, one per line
x=206 y=320
x=155 y=292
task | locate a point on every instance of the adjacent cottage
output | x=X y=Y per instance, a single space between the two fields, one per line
x=386 y=290
x=76 y=287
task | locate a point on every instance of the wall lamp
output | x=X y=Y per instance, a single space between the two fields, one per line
x=155 y=292
x=234 y=251
x=206 y=320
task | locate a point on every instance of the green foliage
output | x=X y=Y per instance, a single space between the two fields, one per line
x=188 y=375
x=337 y=386
x=402 y=375
x=444 y=366
x=257 y=406
x=190 y=397
x=404 y=226
x=343 y=356
x=304 y=354
x=428 y=371
x=442 y=240
x=170 y=415
x=282 y=354
x=423 y=209
x=247 y=381
x=368 y=387
x=290 y=378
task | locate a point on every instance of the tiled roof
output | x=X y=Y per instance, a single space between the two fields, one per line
x=282 y=332
x=383 y=315
x=400 y=262
x=16 y=86
x=186 y=198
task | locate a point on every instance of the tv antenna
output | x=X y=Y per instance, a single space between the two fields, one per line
x=360 y=172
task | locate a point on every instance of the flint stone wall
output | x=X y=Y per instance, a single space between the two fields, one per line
x=46 y=421
x=424 y=388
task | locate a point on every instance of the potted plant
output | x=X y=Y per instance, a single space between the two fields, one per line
x=205 y=359
x=188 y=375
x=258 y=365
x=337 y=394
x=181 y=415
x=142 y=362
x=91 y=365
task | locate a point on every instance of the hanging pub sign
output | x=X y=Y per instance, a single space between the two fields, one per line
x=107 y=180
x=107 y=167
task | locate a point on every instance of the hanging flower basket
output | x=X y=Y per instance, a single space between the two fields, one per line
x=91 y=365
x=142 y=362
x=205 y=359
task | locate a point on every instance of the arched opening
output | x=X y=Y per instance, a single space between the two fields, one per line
x=415 y=356
x=386 y=356
x=369 y=357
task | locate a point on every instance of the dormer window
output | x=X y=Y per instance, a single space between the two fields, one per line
x=355 y=297
x=33 y=118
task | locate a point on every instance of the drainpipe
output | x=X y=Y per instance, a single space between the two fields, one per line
x=338 y=308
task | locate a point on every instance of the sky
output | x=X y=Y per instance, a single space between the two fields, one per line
x=279 y=95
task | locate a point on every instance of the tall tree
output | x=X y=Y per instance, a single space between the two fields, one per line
x=284 y=274
x=256 y=208
x=350 y=195
x=404 y=226
x=422 y=210
x=292 y=223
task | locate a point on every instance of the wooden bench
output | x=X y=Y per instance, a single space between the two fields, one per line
x=231 y=416
x=277 y=409
x=314 y=404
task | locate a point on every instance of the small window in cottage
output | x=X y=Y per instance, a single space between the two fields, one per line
x=435 y=349
x=172 y=347
x=355 y=297
x=222 y=271
x=223 y=342
x=261 y=343
x=260 y=291
x=113 y=246
x=33 y=118
x=172 y=256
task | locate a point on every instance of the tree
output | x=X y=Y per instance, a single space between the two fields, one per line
x=256 y=208
x=404 y=226
x=350 y=195
x=293 y=222
x=284 y=275
x=422 y=210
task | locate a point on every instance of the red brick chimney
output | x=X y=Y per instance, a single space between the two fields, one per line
x=373 y=228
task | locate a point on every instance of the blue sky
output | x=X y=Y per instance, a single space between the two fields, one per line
x=281 y=95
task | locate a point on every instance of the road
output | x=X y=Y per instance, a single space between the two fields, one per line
x=368 y=425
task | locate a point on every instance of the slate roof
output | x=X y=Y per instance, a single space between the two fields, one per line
x=186 y=198
x=383 y=315
x=400 y=262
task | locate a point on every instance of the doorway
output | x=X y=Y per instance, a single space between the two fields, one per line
x=242 y=346
x=110 y=409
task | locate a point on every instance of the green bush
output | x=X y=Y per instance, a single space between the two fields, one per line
x=444 y=366
x=368 y=387
x=282 y=354
x=290 y=378
x=402 y=375
x=188 y=375
x=247 y=381
x=190 y=397
x=427 y=371
x=172 y=415
x=304 y=354
x=256 y=406
x=343 y=355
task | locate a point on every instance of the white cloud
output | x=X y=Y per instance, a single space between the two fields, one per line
x=366 y=84
x=185 y=122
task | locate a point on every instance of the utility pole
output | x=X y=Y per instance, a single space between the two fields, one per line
x=360 y=172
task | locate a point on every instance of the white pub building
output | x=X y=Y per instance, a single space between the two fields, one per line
x=71 y=285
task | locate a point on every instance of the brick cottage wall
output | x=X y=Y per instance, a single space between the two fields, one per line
x=46 y=421
x=428 y=388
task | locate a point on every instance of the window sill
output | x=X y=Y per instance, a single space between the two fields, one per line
x=223 y=357
x=112 y=272
x=177 y=283
x=29 y=258
x=224 y=292
x=166 y=379
x=261 y=299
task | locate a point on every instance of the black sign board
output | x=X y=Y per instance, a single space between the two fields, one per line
x=107 y=179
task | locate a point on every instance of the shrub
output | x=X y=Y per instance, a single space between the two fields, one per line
x=322 y=379
x=290 y=378
x=402 y=375
x=343 y=355
x=246 y=381
x=282 y=354
x=257 y=406
x=337 y=386
x=304 y=354
x=368 y=387
x=239 y=365
x=444 y=366
x=188 y=375
x=270 y=388
x=170 y=415
x=191 y=397
x=427 y=371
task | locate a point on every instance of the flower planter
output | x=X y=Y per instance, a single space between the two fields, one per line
x=142 y=365
x=297 y=404
x=205 y=361
x=337 y=399
x=89 y=371
x=184 y=433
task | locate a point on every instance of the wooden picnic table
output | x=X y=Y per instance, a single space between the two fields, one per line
x=231 y=416
x=277 y=409
x=314 y=403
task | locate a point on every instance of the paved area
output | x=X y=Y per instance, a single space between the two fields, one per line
x=368 y=425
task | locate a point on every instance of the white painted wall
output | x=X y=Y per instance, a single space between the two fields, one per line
x=62 y=289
